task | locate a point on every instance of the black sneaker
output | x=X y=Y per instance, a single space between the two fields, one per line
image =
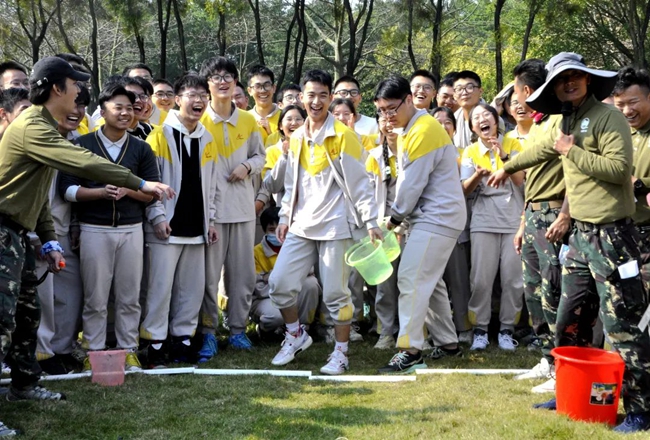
x=53 y=366
x=403 y=363
x=550 y=405
x=33 y=393
x=6 y=432
x=180 y=351
x=440 y=352
x=156 y=358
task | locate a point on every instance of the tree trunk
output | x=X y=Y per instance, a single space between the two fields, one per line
x=139 y=40
x=221 y=33
x=94 y=47
x=287 y=45
x=533 y=9
x=435 y=59
x=181 y=35
x=163 y=27
x=498 y=42
x=255 y=7
x=305 y=40
x=414 y=63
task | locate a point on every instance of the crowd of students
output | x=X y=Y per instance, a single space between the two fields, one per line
x=269 y=199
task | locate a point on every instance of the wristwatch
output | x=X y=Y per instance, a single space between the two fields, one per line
x=640 y=188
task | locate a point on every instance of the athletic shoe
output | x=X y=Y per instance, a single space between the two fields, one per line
x=385 y=342
x=535 y=344
x=506 y=341
x=427 y=345
x=6 y=369
x=465 y=337
x=546 y=387
x=480 y=340
x=155 y=356
x=404 y=362
x=355 y=336
x=337 y=363
x=550 y=405
x=87 y=366
x=6 y=431
x=440 y=352
x=240 y=342
x=180 y=350
x=634 y=423
x=33 y=393
x=132 y=363
x=539 y=371
x=291 y=346
x=53 y=366
x=209 y=348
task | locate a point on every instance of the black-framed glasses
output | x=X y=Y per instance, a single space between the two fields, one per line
x=425 y=87
x=390 y=112
x=160 y=94
x=265 y=87
x=193 y=96
x=216 y=78
x=343 y=93
x=469 y=88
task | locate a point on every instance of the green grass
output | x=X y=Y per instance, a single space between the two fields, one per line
x=264 y=407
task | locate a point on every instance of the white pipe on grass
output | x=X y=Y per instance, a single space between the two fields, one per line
x=364 y=378
x=475 y=371
x=165 y=371
x=236 y=372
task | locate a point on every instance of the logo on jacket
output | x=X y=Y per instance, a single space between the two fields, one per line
x=584 y=125
x=240 y=137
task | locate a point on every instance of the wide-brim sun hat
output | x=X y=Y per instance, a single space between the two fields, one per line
x=544 y=99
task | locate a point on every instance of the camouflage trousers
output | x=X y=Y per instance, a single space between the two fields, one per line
x=595 y=254
x=20 y=309
x=542 y=275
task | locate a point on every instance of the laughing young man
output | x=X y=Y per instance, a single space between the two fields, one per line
x=347 y=87
x=423 y=87
x=261 y=86
x=467 y=93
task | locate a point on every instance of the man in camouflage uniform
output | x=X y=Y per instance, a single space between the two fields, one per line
x=597 y=165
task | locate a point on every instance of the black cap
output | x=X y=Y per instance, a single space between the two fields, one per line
x=52 y=69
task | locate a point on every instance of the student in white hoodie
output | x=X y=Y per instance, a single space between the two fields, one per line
x=429 y=197
x=328 y=198
x=179 y=228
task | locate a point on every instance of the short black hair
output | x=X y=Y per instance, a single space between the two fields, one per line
x=468 y=74
x=343 y=101
x=133 y=66
x=283 y=90
x=425 y=73
x=447 y=111
x=531 y=73
x=38 y=95
x=487 y=107
x=11 y=65
x=349 y=79
x=217 y=64
x=138 y=81
x=162 y=81
x=10 y=97
x=286 y=110
x=270 y=216
x=70 y=58
x=260 y=70
x=241 y=86
x=83 y=98
x=317 y=76
x=188 y=80
x=448 y=79
x=393 y=87
x=111 y=91
x=628 y=77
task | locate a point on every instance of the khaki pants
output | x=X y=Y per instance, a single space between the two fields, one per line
x=175 y=292
x=111 y=257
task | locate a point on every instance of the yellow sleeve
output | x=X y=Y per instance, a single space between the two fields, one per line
x=273 y=153
x=372 y=166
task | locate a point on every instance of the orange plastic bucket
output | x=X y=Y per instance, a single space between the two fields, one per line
x=107 y=367
x=588 y=383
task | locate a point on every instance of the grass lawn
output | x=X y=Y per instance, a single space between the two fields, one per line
x=264 y=407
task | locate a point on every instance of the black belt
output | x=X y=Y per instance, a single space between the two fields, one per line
x=9 y=223
x=587 y=227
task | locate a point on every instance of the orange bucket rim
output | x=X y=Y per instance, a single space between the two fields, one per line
x=618 y=360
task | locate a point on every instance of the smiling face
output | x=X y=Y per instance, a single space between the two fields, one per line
x=467 y=93
x=446 y=123
x=343 y=113
x=445 y=98
x=163 y=96
x=118 y=112
x=423 y=91
x=518 y=110
x=316 y=98
x=12 y=78
x=72 y=120
x=483 y=123
x=262 y=89
x=571 y=85
x=350 y=91
x=386 y=129
x=141 y=100
x=192 y=102
x=291 y=122
x=222 y=85
x=634 y=103
x=240 y=99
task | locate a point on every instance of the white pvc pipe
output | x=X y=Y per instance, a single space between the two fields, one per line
x=236 y=372
x=475 y=371
x=351 y=378
x=164 y=371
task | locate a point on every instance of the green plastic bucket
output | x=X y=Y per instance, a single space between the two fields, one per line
x=390 y=244
x=371 y=261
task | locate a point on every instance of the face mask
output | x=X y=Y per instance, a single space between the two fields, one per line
x=273 y=240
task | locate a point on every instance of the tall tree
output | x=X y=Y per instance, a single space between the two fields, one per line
x=498 y=40
x=163 y=8
x=534 y=6
x=181 y=34
x=255 y=8
x=435 y=58
x=133 y=13
x=34 y=18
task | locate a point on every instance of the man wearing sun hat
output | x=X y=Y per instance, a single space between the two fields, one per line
x=603 y=248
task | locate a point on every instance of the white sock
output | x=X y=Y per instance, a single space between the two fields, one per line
x=341 y=346
x=293 y=327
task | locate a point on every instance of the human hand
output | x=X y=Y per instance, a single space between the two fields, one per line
x=55 y=261
x=281 y=232
x=375 y=234
x=558 y=228
x=563 y=143
x=498 y=178
x=259 y=206
x=239 y=173
x=158 y=190
x=213 y=235
x=519 y=239
x=162 y=230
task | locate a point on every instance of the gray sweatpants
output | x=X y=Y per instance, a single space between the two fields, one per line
x=386 y=303
x=111 y=257
x=492 y=252
x=175 y=290
x=233 y=252
x=420 y=284
x=295 y=261
x=269 y=317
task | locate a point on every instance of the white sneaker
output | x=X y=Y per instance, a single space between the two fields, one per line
x=480 y=342
x=507 y=342
x=355 y=336
x=465 y=337
x=337 y=364
x=6 y=369
x=546 y=387
x=539 y=371
x=291 y=346
x=385 y=342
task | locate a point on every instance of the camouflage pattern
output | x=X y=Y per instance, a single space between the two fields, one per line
x=20 y=310
x=592 y=262
x=644 y=245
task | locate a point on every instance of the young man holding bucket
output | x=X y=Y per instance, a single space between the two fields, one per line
x=603 y=248
x=430 y=198
x=328 y=198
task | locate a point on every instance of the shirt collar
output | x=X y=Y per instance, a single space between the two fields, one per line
x=232 y=120
x=270 y=115
x=644 y=129
x=327 y=130
x=483 y=149
x=47 y=115
x=415 y=117
x=174 y=122
x=268 y=252
x=109 y=143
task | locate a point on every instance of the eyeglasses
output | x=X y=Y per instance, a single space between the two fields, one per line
x=469 y=88
x=296 y=120
x=267 y=86
x=193 y=96
x=216 y=78
x=571 y=76
x=290 y=98
x=390 y=112
x=162 y=95
x=345 y=93
x=425 y=87
x=142 y=97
